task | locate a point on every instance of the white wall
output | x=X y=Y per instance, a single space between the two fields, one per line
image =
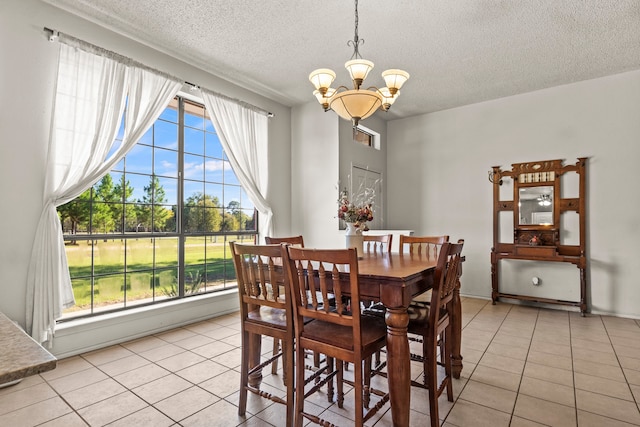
x=437 y=180
x=314 y=175
x=28 y=66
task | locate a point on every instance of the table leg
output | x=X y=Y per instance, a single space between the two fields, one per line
x=398 y=365
x=255 y=348
x=456 y=328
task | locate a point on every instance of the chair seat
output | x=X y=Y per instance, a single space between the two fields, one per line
x=420 y=313
x=373 y=331
x=269 y=316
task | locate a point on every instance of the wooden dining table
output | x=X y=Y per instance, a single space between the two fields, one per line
x=394 y=280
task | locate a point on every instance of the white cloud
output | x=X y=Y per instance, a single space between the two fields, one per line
x=194 y=169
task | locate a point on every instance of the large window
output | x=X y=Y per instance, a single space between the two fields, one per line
x=156 y=227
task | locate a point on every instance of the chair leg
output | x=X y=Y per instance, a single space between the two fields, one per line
x=330 y=391
x=244 y=374
x=340 y=383
x=367 y=383
x=299 y=398
x=358 y=405
x=288 y=368
x=448 y=350
x=432 y=382
x=431 y=375
x=276 y=348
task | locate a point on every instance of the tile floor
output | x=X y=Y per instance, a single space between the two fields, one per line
x=523 y=366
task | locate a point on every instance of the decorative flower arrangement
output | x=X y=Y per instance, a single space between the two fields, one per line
x=357 y=211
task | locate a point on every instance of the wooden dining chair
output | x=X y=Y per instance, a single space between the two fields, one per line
x=427 y=246
x=433 y=324
x=263 y=288
x=337 y=331
x=293 y=240
x=379 y=244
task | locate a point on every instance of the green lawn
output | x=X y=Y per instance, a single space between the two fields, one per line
x=124 y=270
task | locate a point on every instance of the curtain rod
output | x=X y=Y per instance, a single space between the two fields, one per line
x=55 y=35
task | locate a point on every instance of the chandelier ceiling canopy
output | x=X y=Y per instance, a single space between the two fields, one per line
x=356 y=104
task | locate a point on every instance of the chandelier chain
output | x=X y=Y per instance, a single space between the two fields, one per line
x=356 y=41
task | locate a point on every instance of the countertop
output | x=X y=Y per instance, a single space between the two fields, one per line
x=21 y=355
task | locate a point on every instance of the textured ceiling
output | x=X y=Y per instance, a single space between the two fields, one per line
x=458 y=52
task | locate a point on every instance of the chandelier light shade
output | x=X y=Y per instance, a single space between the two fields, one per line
x=352 y=104
x=356 y=104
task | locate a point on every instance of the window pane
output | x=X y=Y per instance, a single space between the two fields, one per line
x=213 y=146
x=192 y=189
x=212 y=220
x=193 y=218
x=103 y=220
x=131 y=223
x=229 y=175
x=193 y=279
x=215 y=274
x=232 y=196
x=193 y=141
x=194 y=250
x=108 y=256
x=167 y=191
x=194 y=167
x=166 y=162
x=215 y=193
x=214 y=169
x=79 y=257
x=125 y=187
x=166 y=284
x=166 y=252
x=164 y=218
x=139 y=288
x=139 y=254
x=108 y=291
x=215 y=248
x=139 y=159
x=165 y=135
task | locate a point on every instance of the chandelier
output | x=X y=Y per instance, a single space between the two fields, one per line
x=356 y=104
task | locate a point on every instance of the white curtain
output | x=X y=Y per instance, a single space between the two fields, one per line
x=92 y=91
x=244 y=134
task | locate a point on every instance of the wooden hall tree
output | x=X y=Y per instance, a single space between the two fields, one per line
x=538 y=206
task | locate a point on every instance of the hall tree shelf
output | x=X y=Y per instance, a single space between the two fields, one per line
x=538 y=207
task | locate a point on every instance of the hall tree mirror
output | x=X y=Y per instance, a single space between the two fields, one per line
x=543 y=205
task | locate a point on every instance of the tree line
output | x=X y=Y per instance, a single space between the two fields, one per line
x=108 y=207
